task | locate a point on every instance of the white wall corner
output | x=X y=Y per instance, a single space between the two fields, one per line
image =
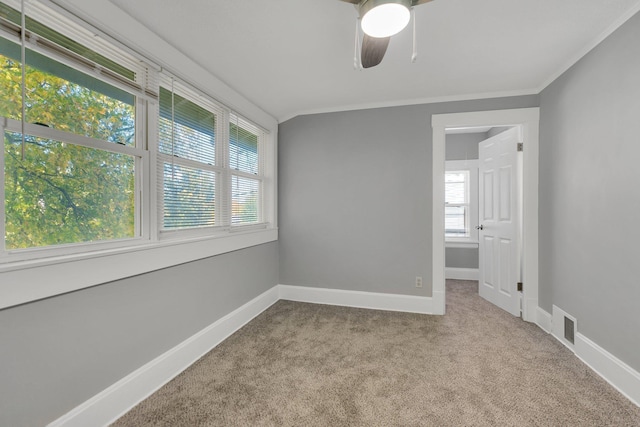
x=617 y=373
x=113 y=402
x=543 y=320
x=359 y=299
x=461 y=273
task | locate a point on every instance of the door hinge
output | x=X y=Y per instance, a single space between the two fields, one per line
x=519 y=286
x=520 y=146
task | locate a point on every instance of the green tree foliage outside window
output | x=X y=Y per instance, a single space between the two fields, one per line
x=61 y=192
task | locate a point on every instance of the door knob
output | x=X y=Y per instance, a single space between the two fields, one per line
x=480 y=227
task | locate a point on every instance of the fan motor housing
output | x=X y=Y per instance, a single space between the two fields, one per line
x=367 y=5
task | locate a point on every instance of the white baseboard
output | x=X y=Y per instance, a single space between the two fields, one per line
x=617 y=373
x=461 y=273
x=613 y=370
x=438 y=304
x=113 y=402
x=543 y=320
x=372 y=300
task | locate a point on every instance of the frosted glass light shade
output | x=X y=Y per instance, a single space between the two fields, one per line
x=385 y=20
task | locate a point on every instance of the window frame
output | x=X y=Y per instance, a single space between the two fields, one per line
x=470 y=166
x=44 y=272
x=137 y=150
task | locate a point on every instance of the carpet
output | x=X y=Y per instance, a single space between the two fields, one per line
x=301 y=364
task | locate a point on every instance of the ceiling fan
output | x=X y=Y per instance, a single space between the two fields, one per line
x=381 y=19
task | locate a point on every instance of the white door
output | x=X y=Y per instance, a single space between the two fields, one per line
x=499 y=220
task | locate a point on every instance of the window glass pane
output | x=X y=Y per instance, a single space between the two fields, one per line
x=64 y=193
x=456 y=187
x=62 y=98
x=244 y=199
x=454 y=192
x=455 y=220
x=193 y=134
x=189 y=197
x=455 y=176
x=243 y=149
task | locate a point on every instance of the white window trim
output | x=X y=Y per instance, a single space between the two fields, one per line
x=26 y=280
x=472 y=167
x=32 y=280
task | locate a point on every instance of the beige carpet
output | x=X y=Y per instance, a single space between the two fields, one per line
x=315 y=365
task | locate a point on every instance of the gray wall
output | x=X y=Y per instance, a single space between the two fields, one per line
x=57 y=353
x=589 y=194
x=461 y=257
x=463 y=146
x=355 y=196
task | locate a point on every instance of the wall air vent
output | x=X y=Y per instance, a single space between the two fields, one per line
x=569 y=328
x=564 y=327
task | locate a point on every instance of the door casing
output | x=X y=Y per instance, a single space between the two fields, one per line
x=527 y=119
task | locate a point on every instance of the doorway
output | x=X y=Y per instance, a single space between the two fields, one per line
x=526 y=120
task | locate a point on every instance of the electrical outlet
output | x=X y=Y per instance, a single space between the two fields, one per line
x=418 y=282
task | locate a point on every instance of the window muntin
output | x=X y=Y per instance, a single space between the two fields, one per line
x=457 y=204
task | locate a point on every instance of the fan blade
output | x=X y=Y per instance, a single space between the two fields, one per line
x=413 y=3
x=352 y=1
x=373 y=50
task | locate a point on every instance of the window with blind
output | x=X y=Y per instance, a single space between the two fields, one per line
x=187 y=162
x=457 y=204
x=74 y=176
x=210 y=163
x=246 y=178
x=78 y=175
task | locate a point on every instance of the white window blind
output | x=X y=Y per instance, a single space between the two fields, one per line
x=190 y=159
x=246 y=164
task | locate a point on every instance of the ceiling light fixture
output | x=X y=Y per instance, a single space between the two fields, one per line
x=384 y=18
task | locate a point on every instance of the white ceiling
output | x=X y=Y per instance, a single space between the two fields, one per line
x=292 y=57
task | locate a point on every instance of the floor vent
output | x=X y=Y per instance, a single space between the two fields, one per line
x=569 y=328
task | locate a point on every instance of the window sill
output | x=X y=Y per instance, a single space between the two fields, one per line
x=26 y=281
x=470 y=244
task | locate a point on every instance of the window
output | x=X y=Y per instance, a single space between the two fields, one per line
x=461 y=201
x=187 y=162
x=75 y=175
x=211 y=163
x=456 y=196
x=116 y=157
x=246 y=176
